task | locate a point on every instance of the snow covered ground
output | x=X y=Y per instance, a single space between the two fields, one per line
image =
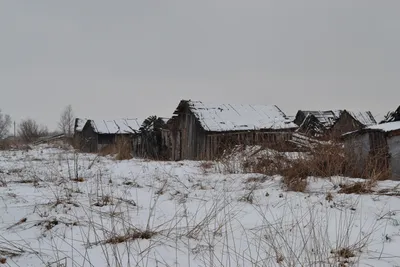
x=59 y=207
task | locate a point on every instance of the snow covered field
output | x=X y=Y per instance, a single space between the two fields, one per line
x=59 y=207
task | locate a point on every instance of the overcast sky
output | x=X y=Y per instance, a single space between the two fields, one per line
x=127 y=59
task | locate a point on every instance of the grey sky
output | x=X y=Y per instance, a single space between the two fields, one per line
x=114 y=59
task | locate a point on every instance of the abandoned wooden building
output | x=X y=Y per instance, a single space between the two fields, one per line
x=392 y=116
x=316 y=123
x=350 y=121
x=93 y=135
x=374 y=149
x=332 y=124
x=202 y=131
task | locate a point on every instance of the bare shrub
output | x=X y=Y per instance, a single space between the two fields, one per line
x=5 y=145
x=29 y=130
x=5 y=123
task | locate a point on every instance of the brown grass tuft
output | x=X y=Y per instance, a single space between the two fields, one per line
x=344 y=253
x=329 y=197
x=357 y=187
x=133 y=235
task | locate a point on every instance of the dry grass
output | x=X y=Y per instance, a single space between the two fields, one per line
x=124 y=148
x=324 y=160
x=130 y=236
x=206 y=166
x=357 y=187
x=104 y=201
x=108 y=150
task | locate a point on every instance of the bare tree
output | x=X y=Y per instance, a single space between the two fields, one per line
x=67 y=120
x=5 y=123
x=29 y=130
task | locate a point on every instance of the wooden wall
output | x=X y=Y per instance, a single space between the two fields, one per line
x=88 y=139
x=367 y=154
x=346 y=123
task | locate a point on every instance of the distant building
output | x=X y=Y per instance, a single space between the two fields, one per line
x=375 y=149
x=93 y=135
x=200 y=131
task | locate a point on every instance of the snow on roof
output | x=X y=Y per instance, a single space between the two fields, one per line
x=364 y=117
x=239 y=117
x=119 y=126
x=327 y=118
x=79 y=124
x=385 y=127
x=392 y=116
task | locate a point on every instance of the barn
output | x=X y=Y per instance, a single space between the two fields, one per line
x=202 y=131
x=93 y=135
x=375 y=149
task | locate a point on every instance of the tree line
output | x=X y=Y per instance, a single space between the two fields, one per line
x=29 y=130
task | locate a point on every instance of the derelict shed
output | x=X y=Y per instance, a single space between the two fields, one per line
x=349 y=121
x=201 y=130
x=392 y=116
x=375 y=149
x=97 y=134
x=316 y=123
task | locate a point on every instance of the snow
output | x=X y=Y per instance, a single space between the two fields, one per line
x=386 y=127
x=201 y=216
x=239 y=117
x=116 y=126
x=364 y=117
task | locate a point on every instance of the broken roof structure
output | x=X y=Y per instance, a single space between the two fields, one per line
x=392 y=116
x=316 y=123
x=326 y=118
x=237 y=117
